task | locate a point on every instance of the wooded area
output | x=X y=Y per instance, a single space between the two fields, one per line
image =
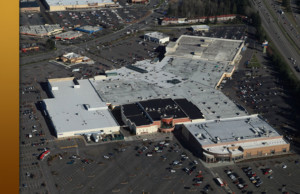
x=199 y=8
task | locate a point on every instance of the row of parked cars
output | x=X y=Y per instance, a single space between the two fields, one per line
x=241 y=184
x=253 y=176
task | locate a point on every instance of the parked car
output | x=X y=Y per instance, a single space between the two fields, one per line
x=240 y=186
x=149 y=154
x=284 y=166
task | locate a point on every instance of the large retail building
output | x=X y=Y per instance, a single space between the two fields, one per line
x=63 y=5
x=234 y=139
x=77 y=109
x=155 y=115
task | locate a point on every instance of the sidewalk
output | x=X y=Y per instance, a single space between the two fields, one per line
x=153 y=137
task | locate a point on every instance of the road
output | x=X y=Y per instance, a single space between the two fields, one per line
x=284 y=21
x=141 y=25
x=274 y=32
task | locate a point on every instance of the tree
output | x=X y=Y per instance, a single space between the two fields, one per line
x=207 y=20
x=256 y=21
x=234 y=9
x=50 y=44
x=216 y=20
x=285 y=3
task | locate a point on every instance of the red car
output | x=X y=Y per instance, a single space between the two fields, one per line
x=85 y=161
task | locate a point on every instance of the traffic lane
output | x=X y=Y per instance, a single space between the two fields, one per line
x=282 y=18
x=283 y=46
x=285 y=26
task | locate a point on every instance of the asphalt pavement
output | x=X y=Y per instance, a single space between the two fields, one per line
x=141 y=25
x=278 y=39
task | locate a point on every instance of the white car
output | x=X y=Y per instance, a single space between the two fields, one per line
x=232 y=177
x=172 y=171
x=106 y=157
x=240 y=186
x=284 y=166
x=195 y=162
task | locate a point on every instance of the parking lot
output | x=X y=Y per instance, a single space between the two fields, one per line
x=126 y=51
x=31 y=19
x=124 y=170
x=34 y=132
x=129 y=167
x=260 y=90
x=278 y=180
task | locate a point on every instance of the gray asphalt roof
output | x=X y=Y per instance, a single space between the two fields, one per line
x=75 y=109
x=73 y=2
x=231 y=129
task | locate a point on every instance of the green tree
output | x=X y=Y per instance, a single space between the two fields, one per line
x=207 y=20
x=50 y=44
x=256 y=21
x=234 y=9
x=285 y=3
x=215 y=20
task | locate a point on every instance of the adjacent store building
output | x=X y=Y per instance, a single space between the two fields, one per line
x=41 y=30
x=200 y=28
x=234 y=139
x=157 y=37
x=77 y=109
x=89 y=29
x=62 y=5
x=69 y=35
x=161 y=115
x=29 y=6
x=74 y=58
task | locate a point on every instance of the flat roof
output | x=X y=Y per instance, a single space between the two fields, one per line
x=77 y=2
x=131 y=110
x=89 y=28
x=40 y=29
x=206 y=48
x=76 y=106
x=24 y=4
x=234 y=129
x=158 y=108
x=135 y=114
x=139 y=120
x=255 y=143
x=196 y=27
x=69 y=34
x=189 y=108
x=198 y=79
x=157 y=35
x=72 y=55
